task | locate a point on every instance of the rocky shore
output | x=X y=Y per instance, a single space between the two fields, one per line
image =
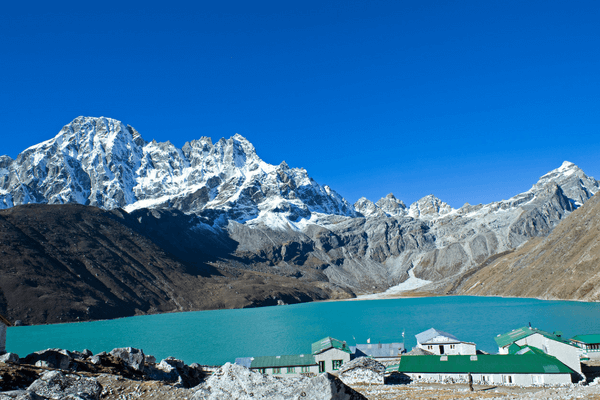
x=128 y=374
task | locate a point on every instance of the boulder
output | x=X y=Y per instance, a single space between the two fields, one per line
x=57 y=385
x=233 y=381
x=9 y=358
x=362 y=370
x=132 y=357
x=177 y=372
x=364 y=363
x=150 y=360
x=50 y=358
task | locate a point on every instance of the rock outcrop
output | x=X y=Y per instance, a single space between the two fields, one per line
x=362 y=370
x=58 y=385
x=236 y=382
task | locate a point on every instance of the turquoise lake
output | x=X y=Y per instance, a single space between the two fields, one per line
x=215 y=337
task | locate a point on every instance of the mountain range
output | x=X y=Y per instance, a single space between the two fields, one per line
x=218 y=208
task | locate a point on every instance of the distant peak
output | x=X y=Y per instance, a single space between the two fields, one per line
x=363 y=200
x=239 y=137
x=566 y=169
x=567 y=165
x=391 y=196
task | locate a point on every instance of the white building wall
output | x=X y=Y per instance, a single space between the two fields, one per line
x=312 y=369
x=454 y=348
x=567 y=354
x=495 y=379
x=330 y=355
x=592 y=354
x=2 y=338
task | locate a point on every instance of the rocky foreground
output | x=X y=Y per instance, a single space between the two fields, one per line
x=129 y=374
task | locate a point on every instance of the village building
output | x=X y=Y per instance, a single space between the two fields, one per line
x=550 y=343
x=4 y=323
x=382 y=352
x=528 y=368
x=589 y=344
x=292 y=365
x=328 y=355
x=440 y=343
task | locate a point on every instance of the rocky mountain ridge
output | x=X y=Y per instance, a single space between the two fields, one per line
x=276 y=219
x=562 y=265
x=103 y=163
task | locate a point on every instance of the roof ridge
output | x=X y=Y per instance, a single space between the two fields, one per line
x=5 y=321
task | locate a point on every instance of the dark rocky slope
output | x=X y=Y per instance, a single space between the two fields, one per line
x=563 y=265
x=61 y=263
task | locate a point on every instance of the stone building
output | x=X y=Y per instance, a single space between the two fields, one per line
x=550 y=343
x=440 y=343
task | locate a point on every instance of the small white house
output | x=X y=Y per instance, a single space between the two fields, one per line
x=550 y=343
x=328 y=355
x=3 y=325
x=440 y=343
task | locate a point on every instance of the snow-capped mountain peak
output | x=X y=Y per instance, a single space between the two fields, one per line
x=102 y=162
x=428 y=207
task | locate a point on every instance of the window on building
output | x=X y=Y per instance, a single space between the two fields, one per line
x=336 y=364
x=507 y=379
x=291 y=370
x=305 y=369
x=321 y=366
x=276 y=370
x=262 y=370
x=537 y=379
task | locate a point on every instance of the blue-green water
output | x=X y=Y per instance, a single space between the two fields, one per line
x=215 y=337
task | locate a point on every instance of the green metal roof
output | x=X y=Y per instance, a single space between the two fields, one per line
x=527 y=363
x=589 y=339
x=283 y=361
x=523 y=332
x=328 y=343
x=516 y=349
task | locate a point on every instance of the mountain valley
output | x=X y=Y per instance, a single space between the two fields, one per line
x=99 y=223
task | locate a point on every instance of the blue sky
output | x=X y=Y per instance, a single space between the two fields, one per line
x=471 y=101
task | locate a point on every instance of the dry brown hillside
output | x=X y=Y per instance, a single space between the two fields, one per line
x=64 y=263
x=563 y=265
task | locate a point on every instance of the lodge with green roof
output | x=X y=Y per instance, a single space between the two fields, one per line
x=549 y=343
x=527 y=368
x=589 y=344
x=328 y=355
